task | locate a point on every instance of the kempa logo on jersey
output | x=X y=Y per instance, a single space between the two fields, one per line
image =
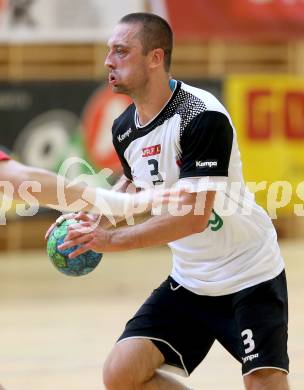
x=206 y=164
x=250 y=357
x=123 y=136
x=151 y=151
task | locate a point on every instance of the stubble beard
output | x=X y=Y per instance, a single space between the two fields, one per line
x=121 y=90
x=135 y=90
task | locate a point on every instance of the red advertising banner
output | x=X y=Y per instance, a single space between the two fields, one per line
x=266 y=20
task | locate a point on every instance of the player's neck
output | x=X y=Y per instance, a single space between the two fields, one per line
x=152 y=101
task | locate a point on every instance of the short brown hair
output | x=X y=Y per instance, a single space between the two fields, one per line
x=155 y=33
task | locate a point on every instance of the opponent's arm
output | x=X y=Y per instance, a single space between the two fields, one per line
x=157 y=230
x=42 y=185
x=122 y=185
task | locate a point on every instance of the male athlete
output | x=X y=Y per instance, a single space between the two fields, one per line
x=227 y=282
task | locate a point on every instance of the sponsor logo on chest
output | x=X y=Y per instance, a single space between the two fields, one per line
x=151 y=151
x=206 y=164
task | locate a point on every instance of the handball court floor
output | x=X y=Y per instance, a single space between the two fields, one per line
x=55 y=331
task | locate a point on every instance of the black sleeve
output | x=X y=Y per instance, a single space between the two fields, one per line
x=125 y=166
x=119 y=148
x=206 y=144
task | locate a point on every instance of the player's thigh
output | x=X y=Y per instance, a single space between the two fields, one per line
x=177 y=321
x=261 y=314
x=132 y=358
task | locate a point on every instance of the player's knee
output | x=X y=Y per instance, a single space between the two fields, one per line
x=118 y=373
x=265 y=379
x=115 y=374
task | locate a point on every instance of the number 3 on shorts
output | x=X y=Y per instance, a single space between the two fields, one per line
x=248 y=340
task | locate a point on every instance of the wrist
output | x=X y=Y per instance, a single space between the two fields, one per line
x=119 y=239
x=112 y=241
x=109 y=237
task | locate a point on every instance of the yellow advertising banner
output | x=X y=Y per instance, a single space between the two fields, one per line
x=268 y=113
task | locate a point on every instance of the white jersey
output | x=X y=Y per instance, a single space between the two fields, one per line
x=193 y=140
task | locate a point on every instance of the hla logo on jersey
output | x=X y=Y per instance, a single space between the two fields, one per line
x=151 y=150
x=206 y=164
x=216 y=223
x=123 y=136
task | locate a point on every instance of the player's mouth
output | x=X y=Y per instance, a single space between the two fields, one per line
x=112 y=79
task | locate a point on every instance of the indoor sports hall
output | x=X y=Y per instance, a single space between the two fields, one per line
x=56 y=112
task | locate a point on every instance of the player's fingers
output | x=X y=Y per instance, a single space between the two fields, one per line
x=81 y=224
x=49 y=231
x=79 y=230
x=79 y=251
x=82 y=227
x=75 y=241
x=73 y=234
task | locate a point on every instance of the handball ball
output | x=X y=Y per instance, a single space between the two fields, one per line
x=78 y=266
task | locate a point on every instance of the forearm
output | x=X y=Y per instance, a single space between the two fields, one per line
x=122 y=185
x=49 y=190
x=158 y=230
x=80 y=197
x=35 y=185
x=119 y=202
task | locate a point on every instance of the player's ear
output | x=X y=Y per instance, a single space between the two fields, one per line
x=156 y=58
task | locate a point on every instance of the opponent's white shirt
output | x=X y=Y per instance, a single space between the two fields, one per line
x=192 y=140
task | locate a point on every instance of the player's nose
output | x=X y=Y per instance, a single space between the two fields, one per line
x=109 y=61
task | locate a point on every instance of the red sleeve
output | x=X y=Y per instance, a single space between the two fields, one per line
x=3 y=156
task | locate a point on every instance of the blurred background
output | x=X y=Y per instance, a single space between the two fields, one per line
x=55 y=331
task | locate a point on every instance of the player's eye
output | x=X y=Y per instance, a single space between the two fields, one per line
x=121 y=50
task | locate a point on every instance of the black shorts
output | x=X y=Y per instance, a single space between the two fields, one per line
x=251 y=324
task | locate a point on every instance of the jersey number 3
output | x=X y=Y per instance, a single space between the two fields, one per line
x=248 y=340
x=156 y=176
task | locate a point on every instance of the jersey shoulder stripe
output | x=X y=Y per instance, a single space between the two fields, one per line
x=210 y=101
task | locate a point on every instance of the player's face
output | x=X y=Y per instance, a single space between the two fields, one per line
x=127 y=65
